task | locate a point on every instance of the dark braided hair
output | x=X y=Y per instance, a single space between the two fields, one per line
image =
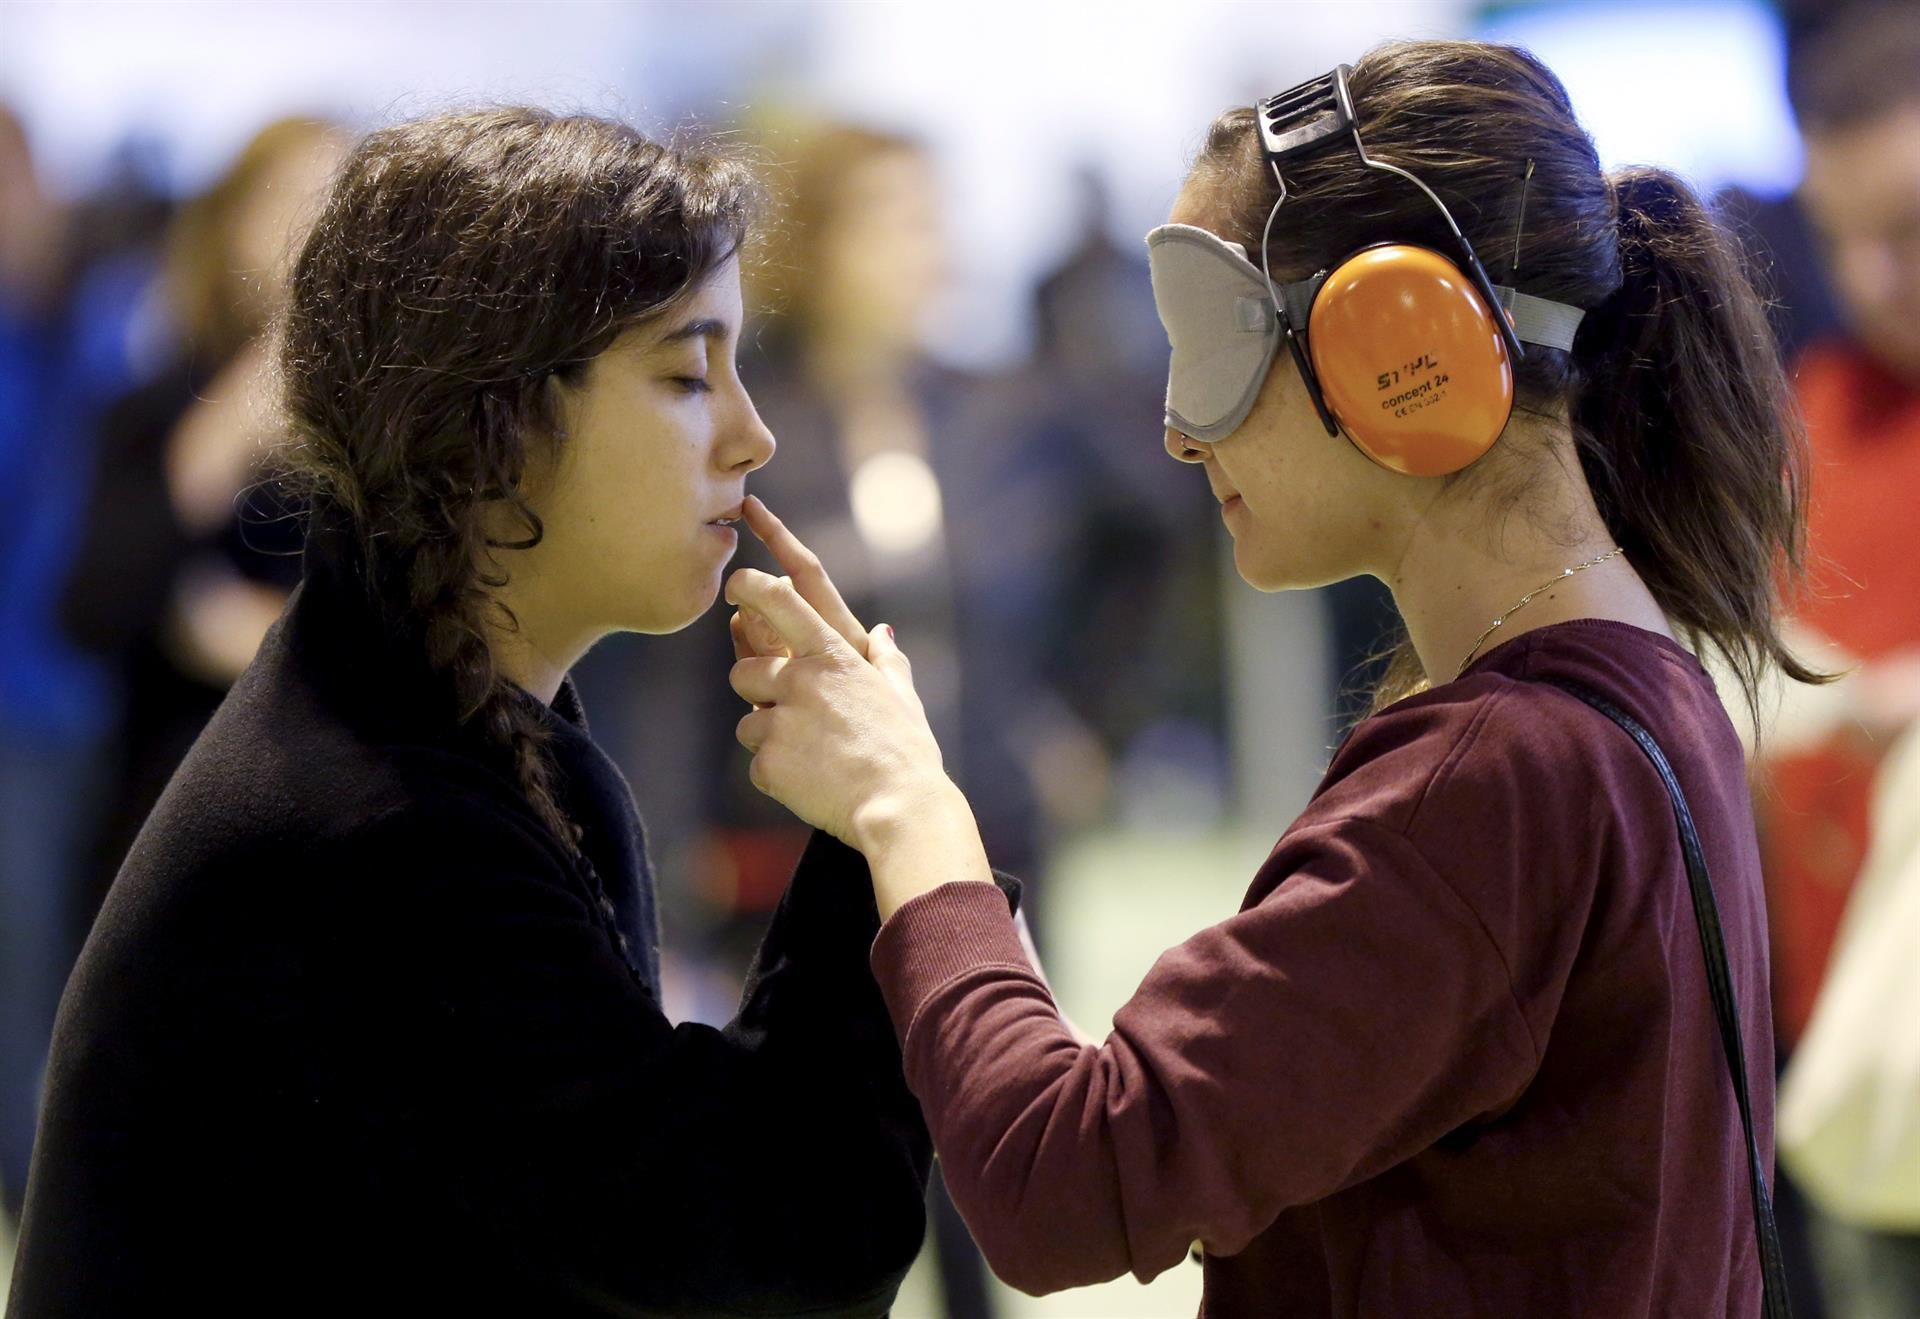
x=459 y=263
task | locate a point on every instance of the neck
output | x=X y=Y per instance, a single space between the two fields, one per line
x=1468 y=561
x=538 y=653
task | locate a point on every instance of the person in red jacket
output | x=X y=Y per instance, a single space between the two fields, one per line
x=1459 y=1052
x=1856 y=90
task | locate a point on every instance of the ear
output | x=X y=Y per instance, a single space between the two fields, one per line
x=554 y=410
x=561 y=406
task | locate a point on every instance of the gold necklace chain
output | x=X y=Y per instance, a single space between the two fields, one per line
x=1528 y=598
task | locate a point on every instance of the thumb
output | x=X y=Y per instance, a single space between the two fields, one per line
x=753 y=635
x=793 y=622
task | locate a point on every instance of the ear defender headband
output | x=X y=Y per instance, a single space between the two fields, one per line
x=1409 y=351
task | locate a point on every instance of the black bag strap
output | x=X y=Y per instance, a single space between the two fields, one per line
x=1706 y=914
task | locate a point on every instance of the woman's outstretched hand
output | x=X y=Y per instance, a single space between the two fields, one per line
x=837 y=732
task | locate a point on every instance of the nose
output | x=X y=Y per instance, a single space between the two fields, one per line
x=1183 y=450
x=751 y=444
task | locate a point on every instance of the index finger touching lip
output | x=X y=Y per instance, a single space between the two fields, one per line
x=788 y=549
x=804 y=567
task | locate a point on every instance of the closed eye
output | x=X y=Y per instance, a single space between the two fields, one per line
x=692 y=384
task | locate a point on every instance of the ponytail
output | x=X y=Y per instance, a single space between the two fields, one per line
x=1686 y=428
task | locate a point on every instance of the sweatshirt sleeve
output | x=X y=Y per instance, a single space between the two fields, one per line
x=776 y=1166
x=1344 y=1022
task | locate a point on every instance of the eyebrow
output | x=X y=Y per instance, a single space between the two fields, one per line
x=701 y=329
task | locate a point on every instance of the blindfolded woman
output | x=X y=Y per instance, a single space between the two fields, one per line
x=1459 y=1052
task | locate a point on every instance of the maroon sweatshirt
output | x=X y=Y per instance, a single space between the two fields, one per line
x=1454 y=1056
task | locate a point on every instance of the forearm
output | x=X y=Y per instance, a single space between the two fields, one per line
x=1015 y=1101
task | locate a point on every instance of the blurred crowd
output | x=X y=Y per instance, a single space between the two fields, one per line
x=1057 y=583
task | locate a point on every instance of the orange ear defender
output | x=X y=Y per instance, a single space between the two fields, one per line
x=1409 y=359
x=1407 y=351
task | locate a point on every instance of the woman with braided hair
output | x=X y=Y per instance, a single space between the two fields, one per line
x=370 y=1021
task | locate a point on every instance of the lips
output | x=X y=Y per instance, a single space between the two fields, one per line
x=728 y=518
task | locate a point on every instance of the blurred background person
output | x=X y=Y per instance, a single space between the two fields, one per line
x=73 y=275
x=1855 y=81
x=1122 y=607
x=879 y=444
x=880 y=452
x=1849 y=1121
x=52 y=702
x=854 y=259
x=1002 y=520
x=186 y=557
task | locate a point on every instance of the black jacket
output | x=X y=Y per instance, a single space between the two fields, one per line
x=354 y=1034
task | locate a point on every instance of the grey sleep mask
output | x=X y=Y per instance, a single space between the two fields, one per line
x=1219 y=318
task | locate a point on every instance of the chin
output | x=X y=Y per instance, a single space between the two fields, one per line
x=689 y=613
x=1260 y=571
x=1273 y=573
x=659 y=617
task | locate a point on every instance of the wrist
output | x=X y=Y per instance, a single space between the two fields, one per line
x=917 y=838
x=906 y=812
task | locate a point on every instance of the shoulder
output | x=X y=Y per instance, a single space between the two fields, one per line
x=1467 y=814
x=1508 y=773
x=1480 y=744
x=285 y=771
x=269 y=863
x=442 y=810
x=1512 y=736
x=1513 y=793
